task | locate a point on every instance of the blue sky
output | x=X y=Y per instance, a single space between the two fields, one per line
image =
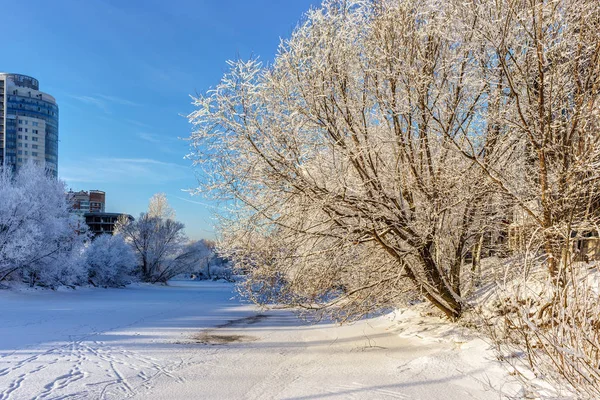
x=122 y=72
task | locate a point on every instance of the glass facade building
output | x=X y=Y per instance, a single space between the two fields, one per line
x=28 y=123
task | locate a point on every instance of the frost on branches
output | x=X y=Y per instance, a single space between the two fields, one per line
x=391 y=140
x=111 y=261
x=392 y=144
x=161 y=247
x=341 y=157
x=40 y=241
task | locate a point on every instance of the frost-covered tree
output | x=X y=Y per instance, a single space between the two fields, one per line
x=392 y=140
x=210 y=265
x=192 y=256
x=543 y=102
x=339 y=157
x=159 y=207
x=110 y=261
x=154 y=240
x=543 y=74
x=40 y=241
x=162 y=248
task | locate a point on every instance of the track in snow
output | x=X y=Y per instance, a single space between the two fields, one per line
x=159 y=342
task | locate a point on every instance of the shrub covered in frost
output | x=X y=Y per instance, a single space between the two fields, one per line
x=111 y=261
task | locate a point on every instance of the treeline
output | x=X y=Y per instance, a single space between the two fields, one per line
x=43 y=243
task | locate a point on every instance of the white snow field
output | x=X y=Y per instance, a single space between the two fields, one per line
x=196 y=340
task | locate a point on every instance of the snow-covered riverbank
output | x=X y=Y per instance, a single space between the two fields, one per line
x=197 y=340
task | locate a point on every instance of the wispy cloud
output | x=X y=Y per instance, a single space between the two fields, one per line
x=198 y=202
x=137 y=123
x=165 y=144
x=104 y=102
x=92 y=101
x=123 y=170
x=118 y=100
x=167 y=76
x=142 y=161
x=149 y=137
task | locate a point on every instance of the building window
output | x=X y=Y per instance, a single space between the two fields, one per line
x=20 y=129
x=20 y=144
x=34 y=146
x=34 y=153
x=20 y=121
x=25 y=129
x=19 y=152
x=34 y=139
x=25 y=152
x=20 y=159
x=35 y=123
x=20 y=136
x=34 y=130
x=25 y=144
x=26 y=138
x=26 y=122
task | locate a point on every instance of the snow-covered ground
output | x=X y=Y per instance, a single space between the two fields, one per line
x=197 y=340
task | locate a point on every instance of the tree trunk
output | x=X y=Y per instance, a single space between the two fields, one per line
x=476 y=262
x=437 y=288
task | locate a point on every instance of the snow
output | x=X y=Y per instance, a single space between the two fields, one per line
x=198 y=340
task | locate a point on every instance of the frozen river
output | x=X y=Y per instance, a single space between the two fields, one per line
x=195 y=340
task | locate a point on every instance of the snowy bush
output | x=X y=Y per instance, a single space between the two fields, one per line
x=217 y=268
x=210 y=265
x=547 y=331
x=40 y=241
x=185 y=259
x=110 y=261
x=67 y=268
x=212 y=269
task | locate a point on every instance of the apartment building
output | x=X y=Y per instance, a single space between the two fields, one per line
x=28 y=123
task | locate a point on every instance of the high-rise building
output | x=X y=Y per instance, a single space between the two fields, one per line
x=28 y=123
